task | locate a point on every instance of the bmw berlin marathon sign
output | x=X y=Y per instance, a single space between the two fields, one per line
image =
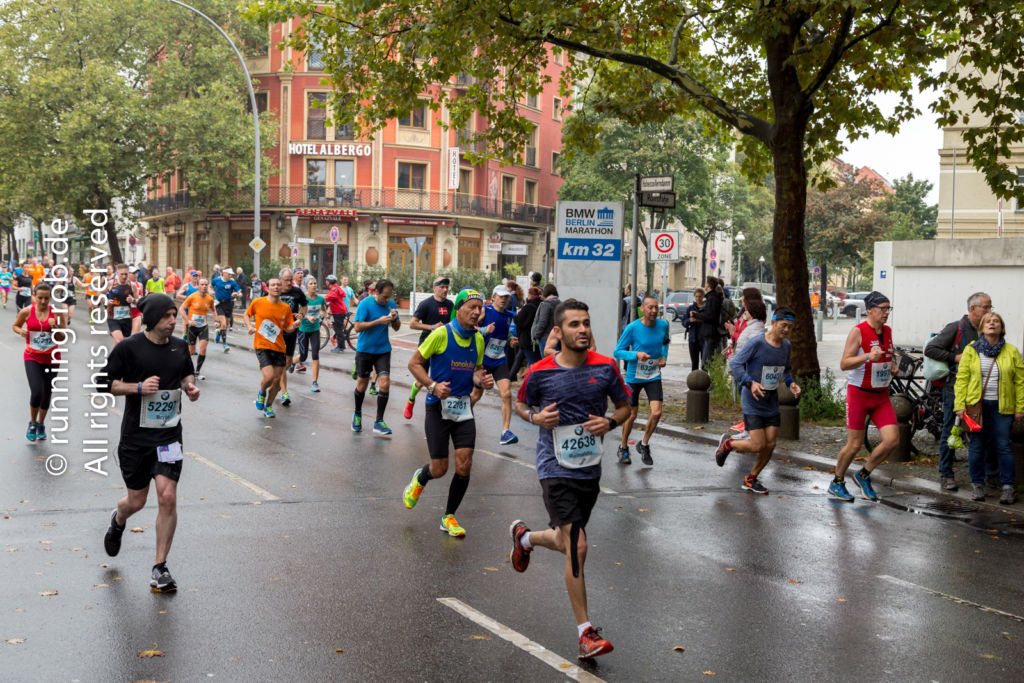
x=588 y=254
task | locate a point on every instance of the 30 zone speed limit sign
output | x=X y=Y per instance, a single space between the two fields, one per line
x=664 y=246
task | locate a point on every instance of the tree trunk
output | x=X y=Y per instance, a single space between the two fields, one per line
x=792 y=287
x=113 y=245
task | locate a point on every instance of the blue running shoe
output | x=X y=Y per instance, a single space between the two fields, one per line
x=269 y=412
x=838 y=489
x=260 y=400
x=315 y=388
x=381 y=427
x=508 y=438
x=864 y=482
x=40 y=431
x=31 y=433
x=286 y=400
x=357 y=422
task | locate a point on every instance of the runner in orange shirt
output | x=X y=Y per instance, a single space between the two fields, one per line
x=196 y=312
x=36 y=270
x=268 y=320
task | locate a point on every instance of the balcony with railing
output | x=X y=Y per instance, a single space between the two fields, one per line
x=372 y=199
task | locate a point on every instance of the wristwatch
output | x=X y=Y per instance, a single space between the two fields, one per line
x=430 y=389
x=612 y=424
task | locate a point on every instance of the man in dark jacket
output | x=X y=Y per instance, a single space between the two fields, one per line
x=947 y=346
x=709 y=319
x=545 y=318
x=524 y=325
x=692 y=327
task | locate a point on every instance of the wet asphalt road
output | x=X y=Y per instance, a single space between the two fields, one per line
x=296 y=561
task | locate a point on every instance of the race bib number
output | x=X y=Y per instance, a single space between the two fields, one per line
x=40 y=341
x=771 y=375
x=269 y=331
x=170 y=453
x=313 y=317
x=161 y=410
x=575 y=447
x=122 y=312
x=199 y=321
x=495 y=348
x=25 y=291
x=881 y=375
x=648 y=369
x=457 y=408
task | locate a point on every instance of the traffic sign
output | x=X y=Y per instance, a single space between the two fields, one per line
x=657 y=183
x=713 y=265
x=713 y=254
x=817 y=270
x=257 y=244
x=666 y=247
x=663 y=200
x=295 y=252
x=304 y=240
x=335 y=234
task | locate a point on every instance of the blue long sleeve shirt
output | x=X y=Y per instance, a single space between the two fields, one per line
x=651 y=340
x=759 y=361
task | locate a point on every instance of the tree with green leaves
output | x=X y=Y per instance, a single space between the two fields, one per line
x=96 y=98
x=909 y=215
x=789 y=78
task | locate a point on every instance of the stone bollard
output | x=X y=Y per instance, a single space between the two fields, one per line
x=789 y=427
x=1017 y=442
x=698 y=400
x=904 y=409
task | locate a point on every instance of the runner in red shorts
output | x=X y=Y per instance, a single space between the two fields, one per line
x=868 y=358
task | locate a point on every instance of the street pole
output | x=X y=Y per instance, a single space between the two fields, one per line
x=256 y=128
x=295 y=244
x=634 y=273
x=664 y=286
x=952 y=208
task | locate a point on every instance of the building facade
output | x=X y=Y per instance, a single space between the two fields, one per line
x=363 y=198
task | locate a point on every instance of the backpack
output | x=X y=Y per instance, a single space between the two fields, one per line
x=937 y=370
x=727 y=314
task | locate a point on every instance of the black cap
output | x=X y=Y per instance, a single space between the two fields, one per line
x=153 y=307
x=875 y=299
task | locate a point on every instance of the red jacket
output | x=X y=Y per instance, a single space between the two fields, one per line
x=336 y=300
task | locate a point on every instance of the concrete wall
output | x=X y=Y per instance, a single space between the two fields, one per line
x=929 y=281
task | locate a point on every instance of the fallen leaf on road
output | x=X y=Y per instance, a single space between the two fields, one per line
x=137 y=530
x=338 y=651
x=730 y=569
x=14 y=641
x=709 y=673
x=48 y=524
x=1005 y=635
x=618 y=564
x=149 y=654
x=47 y=594
x=163 y=611
x=642 y=510
x=46 y=542
x=793 y=581
x=988 y=656
x=478 y=638
x=565 y=666
x=840 y=599
x=698 y=428
x=101 y=585
x=833 y=523
x=491 y=569
x=907 y=476
x=679 y=648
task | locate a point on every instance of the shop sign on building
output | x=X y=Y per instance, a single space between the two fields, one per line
x=334 y=149
x=515 y=249
x=453 y=168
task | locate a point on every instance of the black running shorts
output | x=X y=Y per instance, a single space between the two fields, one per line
x=498 y=371
x=653 y=390
x=365 y=362
x=439 y=431
x=226 y=308
x=751 y=422
x=570 y=500
x=267 y=357
x=289 y=343
x=139 y=465
x=194 y=334
x=123 y=326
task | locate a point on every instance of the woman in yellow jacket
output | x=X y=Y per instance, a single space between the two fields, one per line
x=1002 y=401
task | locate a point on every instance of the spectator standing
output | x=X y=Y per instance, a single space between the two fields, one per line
x=757 y=315
x=708 y=317
x=171 y=282
x=544 y=321
x=528 y=354
x=691 y=323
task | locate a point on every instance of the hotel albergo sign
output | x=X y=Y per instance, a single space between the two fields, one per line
x=330 y=149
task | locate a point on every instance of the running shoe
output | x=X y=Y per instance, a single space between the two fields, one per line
x=412 y=492
x=592 y=644
x=520 y=555
x=269 y=411
x=353 y=372
x=41 y=432
x=291 y=367
x=451 y=525
x=286 y=400
x=623 y=455
x=838 y=490
x=645 y=454
x=112 y=539
x=977 y=492
x=300 y=368
x=864 y=482
x=226 y=347
x=337 y=349
x=373 y=389
x=381 y=427
x=315 y=388
x=200 y=376
x=724 y=448
x=1008 y=496
x=260 y=399
x=739 y=427
x=357 y=422
x=162 y=581
x=31 y=433
x=407 y=413
x=508 y=438
x=751 y=483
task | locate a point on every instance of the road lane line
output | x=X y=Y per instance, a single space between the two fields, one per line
x=261 y=492
x=509 y=458
x=951 y=598
x=522 y=642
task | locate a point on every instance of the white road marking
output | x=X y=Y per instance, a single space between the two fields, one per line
x=522 y=642
x=261 y=492
x=951 y=598
x=507 y=458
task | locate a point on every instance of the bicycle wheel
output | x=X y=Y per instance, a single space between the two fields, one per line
x=347 y=333
x=325 y=334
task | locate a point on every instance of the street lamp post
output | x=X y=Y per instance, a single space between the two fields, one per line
x=739 y=259
x=760 y=262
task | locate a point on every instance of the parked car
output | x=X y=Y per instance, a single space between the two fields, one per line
x=853 y=302
x=676 y=304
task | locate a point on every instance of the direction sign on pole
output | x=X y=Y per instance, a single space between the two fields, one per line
x=662 y=200
x=304 y=240
x=665 y=247
x=657 y=183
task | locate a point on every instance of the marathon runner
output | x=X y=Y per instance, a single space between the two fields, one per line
x=339 y=311
x=497 y=329
x=121 y=307
x=225 y=291
x=566 y=395
x=156 y=283
x=151 y=370
x=644 y=347
x=191 y=287
x=431 y=314
x=36 y=324
x=6 y=278
x=196 y=313
x=23 y=288
x=35 y=269
x=309 y=331
x=869 y=359
x=268 y=319
x=759 y=367
x=455 y=355
x=373 y=351
x=292 y=295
